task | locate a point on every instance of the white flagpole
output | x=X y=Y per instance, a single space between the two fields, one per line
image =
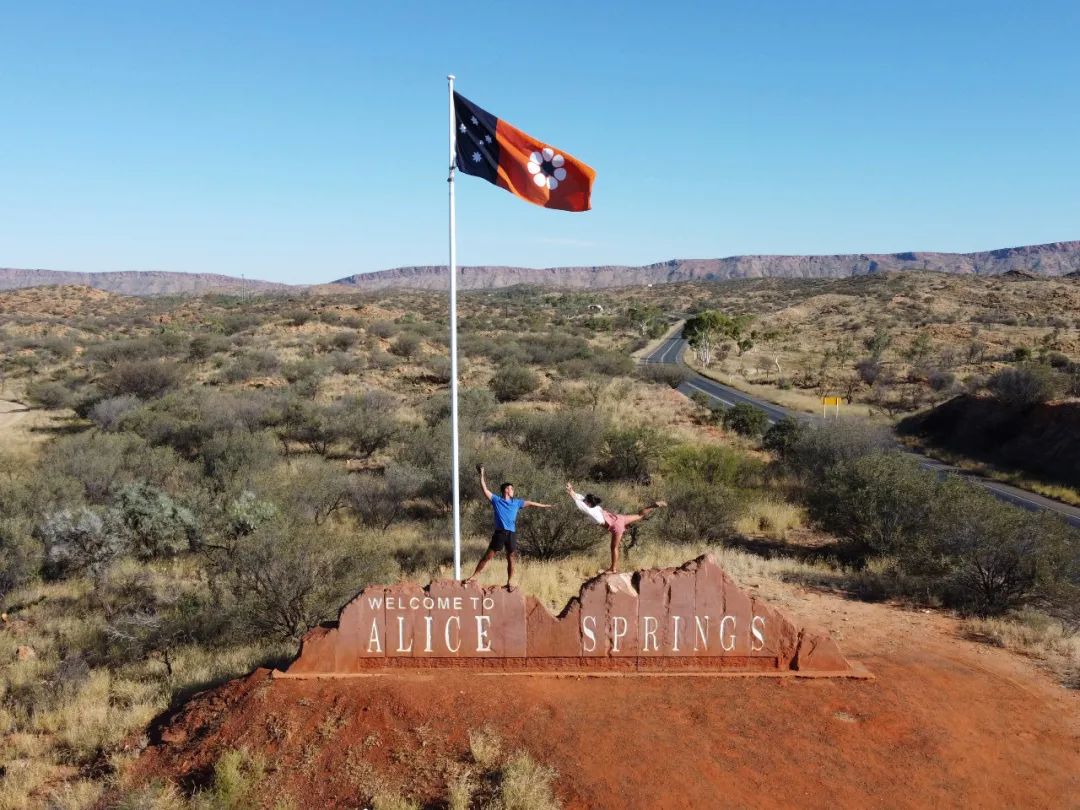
x=453 y=339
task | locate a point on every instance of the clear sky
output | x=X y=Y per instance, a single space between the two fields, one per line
x=305 y=141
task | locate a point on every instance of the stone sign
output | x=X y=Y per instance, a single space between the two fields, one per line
x=689 y=618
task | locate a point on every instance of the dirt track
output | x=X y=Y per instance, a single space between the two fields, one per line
x=946 y=723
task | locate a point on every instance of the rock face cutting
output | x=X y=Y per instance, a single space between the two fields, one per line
x=691 y=618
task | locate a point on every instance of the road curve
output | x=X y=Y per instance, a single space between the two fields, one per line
x=670 y=352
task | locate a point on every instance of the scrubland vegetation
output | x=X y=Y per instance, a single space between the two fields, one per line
x=220 y=474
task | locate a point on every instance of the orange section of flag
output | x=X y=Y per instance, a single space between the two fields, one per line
x=540 y=173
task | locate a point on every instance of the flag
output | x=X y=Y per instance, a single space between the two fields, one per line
x=502 y=154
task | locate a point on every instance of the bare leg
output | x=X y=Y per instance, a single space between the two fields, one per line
x=509 y=568
x=616 y=541
x=481 y=565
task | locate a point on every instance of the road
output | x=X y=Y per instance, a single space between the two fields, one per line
x=671 y=349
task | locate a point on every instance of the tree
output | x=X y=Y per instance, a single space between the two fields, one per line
x=642 y=317
x=707 y=330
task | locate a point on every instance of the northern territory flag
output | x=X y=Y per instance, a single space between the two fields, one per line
x=502 y=154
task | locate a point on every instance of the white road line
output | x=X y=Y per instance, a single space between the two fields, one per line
x=710 y=394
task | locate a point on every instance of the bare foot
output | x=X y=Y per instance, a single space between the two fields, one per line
x=509 y=587
x=468 y=581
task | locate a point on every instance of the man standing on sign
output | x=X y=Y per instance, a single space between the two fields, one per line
x=504 y=508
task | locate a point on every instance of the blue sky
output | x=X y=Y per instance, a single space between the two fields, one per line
x=302 y=142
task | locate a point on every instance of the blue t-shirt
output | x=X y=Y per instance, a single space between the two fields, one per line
x=506 y=510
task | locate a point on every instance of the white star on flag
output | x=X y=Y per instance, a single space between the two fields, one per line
x=462 y=128
x=476 y=157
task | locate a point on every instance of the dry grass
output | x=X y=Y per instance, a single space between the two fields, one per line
x=771 y=518
x=524 y=784
x=1035 y=635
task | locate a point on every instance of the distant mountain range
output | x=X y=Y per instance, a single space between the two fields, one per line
x=1054 y=259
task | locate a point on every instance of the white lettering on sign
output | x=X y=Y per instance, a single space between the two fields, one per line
x=446 y=634
x=758 y=632
x=649 y=633
x=401 y=648
x=483 y=642
x=588 y=629
x=427 y=633
x=730 y=638
x=702 y=633
x=618 y=631
x=373 y=640
x=727 y=633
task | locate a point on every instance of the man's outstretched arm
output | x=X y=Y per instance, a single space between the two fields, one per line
x=483 y=482
x=540 y=505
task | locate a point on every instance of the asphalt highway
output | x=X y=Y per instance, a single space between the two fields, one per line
x=671 y=349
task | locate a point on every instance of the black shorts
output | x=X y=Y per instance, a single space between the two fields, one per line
x=501 y=539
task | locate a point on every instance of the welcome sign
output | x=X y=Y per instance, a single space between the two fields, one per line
x=691 y=618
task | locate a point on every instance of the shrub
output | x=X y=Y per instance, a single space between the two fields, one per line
x=745 y=419
x=1057 y=360
x=475 y=406
x=630 y=454
x=20 y=554
x=941 y=380
x=513 y=382
x=407 y=345
x=203 y=347
x=710 y=464
x=878 y=504
x=108 y=414
x=663 y=374
x=298 y=317
x=78 y=540
x=49 y=395
x=153 y=523
x=820 y=445
x=231 y=458
x=287 y=577
x=383 y=329
x=783 y=436
x=380 y=500
x=699 y=513
x=568 y=440
x=994 y=556
x=145 y=379
x=1023 y=387
x=367 y=422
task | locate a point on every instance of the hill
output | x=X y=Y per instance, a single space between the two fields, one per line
x=1053 y=259
x=136 y=282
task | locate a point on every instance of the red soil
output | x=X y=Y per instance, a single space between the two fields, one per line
x=946 y=723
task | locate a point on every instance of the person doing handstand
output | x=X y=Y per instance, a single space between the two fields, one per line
x=616 y=524
x=504 y=509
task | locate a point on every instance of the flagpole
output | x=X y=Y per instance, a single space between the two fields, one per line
x=453 y=341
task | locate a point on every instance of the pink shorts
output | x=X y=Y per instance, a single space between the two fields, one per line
x=616 y=524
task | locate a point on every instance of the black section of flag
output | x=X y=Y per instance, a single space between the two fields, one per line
x=477 y=146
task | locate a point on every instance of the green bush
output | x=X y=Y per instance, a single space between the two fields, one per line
x=663 y=374
x=78 y=540
x=820 y=445
x=569 y=439
x=992 y=556
x=49 y=395
x=878 y=504
x=698 y=512
x=745 y=419
x=783 y=436
x=145 y=379
x=710 y=464
x=153 y=523
x=1023 y=387
x=513 y=382
x=630 y=454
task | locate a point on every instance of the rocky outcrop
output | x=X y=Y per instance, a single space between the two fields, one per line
x=691 y=618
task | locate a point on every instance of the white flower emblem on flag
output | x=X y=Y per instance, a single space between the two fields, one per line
x=546 y=167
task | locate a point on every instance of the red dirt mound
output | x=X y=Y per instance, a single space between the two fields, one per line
x=946 y=723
